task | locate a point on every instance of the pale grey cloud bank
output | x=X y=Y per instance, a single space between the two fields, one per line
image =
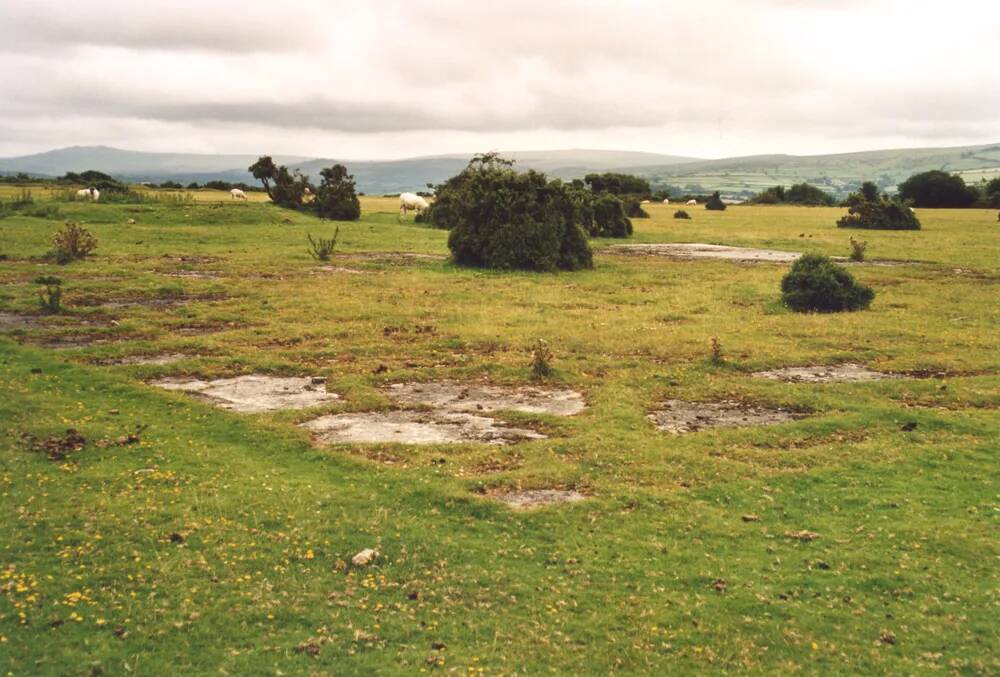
x=393 y=79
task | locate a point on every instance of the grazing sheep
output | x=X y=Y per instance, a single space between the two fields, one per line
x=644 y=202
x=666 y=200
x=91 y=193
x=691 y=203
x=411 y=202
x=238 y=194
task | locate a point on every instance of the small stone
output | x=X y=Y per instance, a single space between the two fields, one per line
x=908 y=426
x=113 y=412
x=365 y=557
x=750 y=518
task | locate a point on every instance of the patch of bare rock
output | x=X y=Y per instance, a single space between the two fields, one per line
x=452 y=396
x=537 y=498
x=841 y=373
x=255 y=393
x=412 y=427
x=680 y=416
x=696 y=250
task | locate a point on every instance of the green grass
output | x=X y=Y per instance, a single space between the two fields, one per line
x=907 y=520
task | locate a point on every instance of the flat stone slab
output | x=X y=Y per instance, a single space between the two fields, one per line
x=452 y=396
x=537 y=498
x=253 y=393
x=680 y=416
x=695 y=250
x=841 y=373
x=410 y=427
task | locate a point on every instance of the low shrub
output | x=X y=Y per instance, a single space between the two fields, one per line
x=634 y=210
x=681 y=214
x=321 y=249
x=50 y=297
x=72 y=242
x=541 y=361
x=715 y=203
x=817 y=284
x=503 y=219
x=609 y=219
x=858 y=250
x=335 y=196
x=881 y=214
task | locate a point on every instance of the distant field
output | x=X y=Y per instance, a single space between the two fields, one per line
x=860 y=538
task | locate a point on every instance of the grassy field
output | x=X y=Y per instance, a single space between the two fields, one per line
x=220 y=542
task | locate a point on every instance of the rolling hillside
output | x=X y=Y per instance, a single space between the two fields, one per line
x=838 y=173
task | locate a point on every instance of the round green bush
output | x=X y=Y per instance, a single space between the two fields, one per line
x=817 y=284
x=681 y=214
x=609 y=217
x=500 y=218
x=715 y=203
x=880 y=214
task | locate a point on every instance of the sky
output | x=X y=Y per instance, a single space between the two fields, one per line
x=379 y=80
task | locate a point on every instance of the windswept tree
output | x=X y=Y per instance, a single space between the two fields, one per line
x=335 y=196
x=937 y=189
x=265 y=171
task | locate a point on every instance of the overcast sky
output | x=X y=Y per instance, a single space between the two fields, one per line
x=375 y=79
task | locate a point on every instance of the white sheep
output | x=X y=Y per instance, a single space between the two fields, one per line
x=88 y=193
x=691 y=203
x=666 y=200
x=644 y=202
x=411 y=202
x=238 y=194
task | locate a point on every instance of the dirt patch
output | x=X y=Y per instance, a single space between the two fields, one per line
x=451 y=396
x=191 y=274
x=395 y=258
x=537 y=498
x=166 y=358
x=15 y=322
x=70 y=341
x=202 y=329
x=192 y=259
x=409 y=427
x=841 y=373
x=148 y=302
x=694 y=251
x=341 y=269
x=679 y=416
x=255 y=393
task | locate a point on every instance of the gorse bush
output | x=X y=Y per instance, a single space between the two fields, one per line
x=681 y=214
x=500 y=218
x=633 y=208
x=335 y=198
x=881 y=214
x=858 y=250
x=541 y=361
x=609 y=219
x=817 y=284
x=798 y=193
x=72 y=242
x=715 y=202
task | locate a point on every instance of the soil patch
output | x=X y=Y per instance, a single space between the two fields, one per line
x=537 y=498
x=14 y=322
x=191 y=274
x=409 y=427
x=693 y=251
x=255 y=393
x=395 y=258
x=451 y=396
x=166 y=358
x=149 y=302
x=679 y=416
x=341 y=269
x=841 y=373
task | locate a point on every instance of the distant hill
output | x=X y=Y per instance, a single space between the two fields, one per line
x=372 y=176
x=838 y=174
